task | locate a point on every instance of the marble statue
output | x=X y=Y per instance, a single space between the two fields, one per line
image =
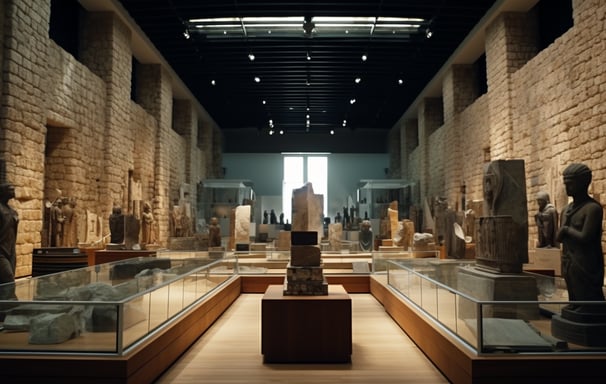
x=547 y=221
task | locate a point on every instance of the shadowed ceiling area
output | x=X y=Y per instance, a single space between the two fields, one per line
x=308 y=87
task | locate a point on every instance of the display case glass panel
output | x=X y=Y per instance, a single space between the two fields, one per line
x=106 y=308
x=374 y=197
x=217 y=197
x=440 y=289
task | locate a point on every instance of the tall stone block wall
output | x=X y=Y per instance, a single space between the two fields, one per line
x=547 y=108
x=23 y=115
x=69 y=124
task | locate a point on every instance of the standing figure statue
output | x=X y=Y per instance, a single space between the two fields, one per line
x=581 y=238
x=9 y=221
x=547 y=222
x=147 y=222
x=57 y=219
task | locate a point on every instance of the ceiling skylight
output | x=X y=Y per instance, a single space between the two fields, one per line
x=323 y=27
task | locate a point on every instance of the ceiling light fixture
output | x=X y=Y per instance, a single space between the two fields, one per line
x=213 y=82
x=264 y=102
x=352 y=101
x=400 y=81
x=428 y=33
x=357 y=80
x=308 y=56
x=186 y=33
x=257 y=79
x=364 y=57
x=281 y=131
x=332 y=131
x=251 y=57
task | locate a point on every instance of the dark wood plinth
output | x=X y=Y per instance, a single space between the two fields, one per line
x=107 y=256
x=306 y=329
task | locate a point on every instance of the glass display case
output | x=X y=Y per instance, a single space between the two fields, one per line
x=217 y=197
x=374 y=197
x=105 y=309
x=439 y=289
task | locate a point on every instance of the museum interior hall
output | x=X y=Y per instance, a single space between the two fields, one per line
x=263 y=191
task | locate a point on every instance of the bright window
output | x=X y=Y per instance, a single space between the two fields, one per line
x=300 y=169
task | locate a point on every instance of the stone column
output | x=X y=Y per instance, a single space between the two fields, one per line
x=430 y=119
x=510 y=43
x=395 y=153
x=409 y=140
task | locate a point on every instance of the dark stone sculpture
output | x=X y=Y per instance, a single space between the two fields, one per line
x=547 y=222
x=9 y=221
x=365 y=236
x=273 y=219
x=581 y=237
x=116 y=225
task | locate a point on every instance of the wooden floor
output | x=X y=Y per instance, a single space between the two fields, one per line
x=230 y=352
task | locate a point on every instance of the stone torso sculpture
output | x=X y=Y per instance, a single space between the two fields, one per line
x=547 y=222
x=580 y=234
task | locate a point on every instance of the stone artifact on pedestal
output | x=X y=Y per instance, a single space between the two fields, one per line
x=582 y=263
x=116 y=225
x=335 y=234
x=502 y=247
x=240 y=226
x=365 y=237
x=307 y=210
x=304 y=273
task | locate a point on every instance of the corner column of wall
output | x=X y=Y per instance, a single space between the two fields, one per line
x=458 y=92
x=409 y=140
x=395 y=154
x=23 y=117
x=154 y=93
x=430 y=117
x=105 y=49
x=205 y=142
x=511 y=40
x=217 y=152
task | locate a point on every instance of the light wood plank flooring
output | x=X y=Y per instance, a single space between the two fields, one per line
x=230 y=352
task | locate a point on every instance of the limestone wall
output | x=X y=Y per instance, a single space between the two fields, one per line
x=547 y=107
x=69 y=126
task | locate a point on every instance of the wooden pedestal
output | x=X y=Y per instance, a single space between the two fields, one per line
x=306 y=329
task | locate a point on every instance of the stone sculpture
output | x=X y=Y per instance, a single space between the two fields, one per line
x=365 y=236
x=547 y=221
x=580 y=235
x=116 y=225
x=214 y=233
x=9 y=221
x=147 y=222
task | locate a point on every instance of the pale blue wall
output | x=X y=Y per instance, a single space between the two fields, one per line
x=344 y=173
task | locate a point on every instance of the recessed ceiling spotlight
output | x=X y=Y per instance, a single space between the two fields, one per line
x=186 y=34
x=364 y=57
x=281 y=131
x=428 y=33
x=264 y=102
x=251 y=57
x=269 y=32
x=213 y=82
x=290 y=108
x=400 y=81
x=307 y=108
x=308 y=56
x=271 y=132
x=332 y=131
x=352 y=101
x=357 y=80
x=225 y=32
x=257 y=79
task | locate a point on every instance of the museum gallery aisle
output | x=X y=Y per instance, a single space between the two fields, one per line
x=230 y=352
